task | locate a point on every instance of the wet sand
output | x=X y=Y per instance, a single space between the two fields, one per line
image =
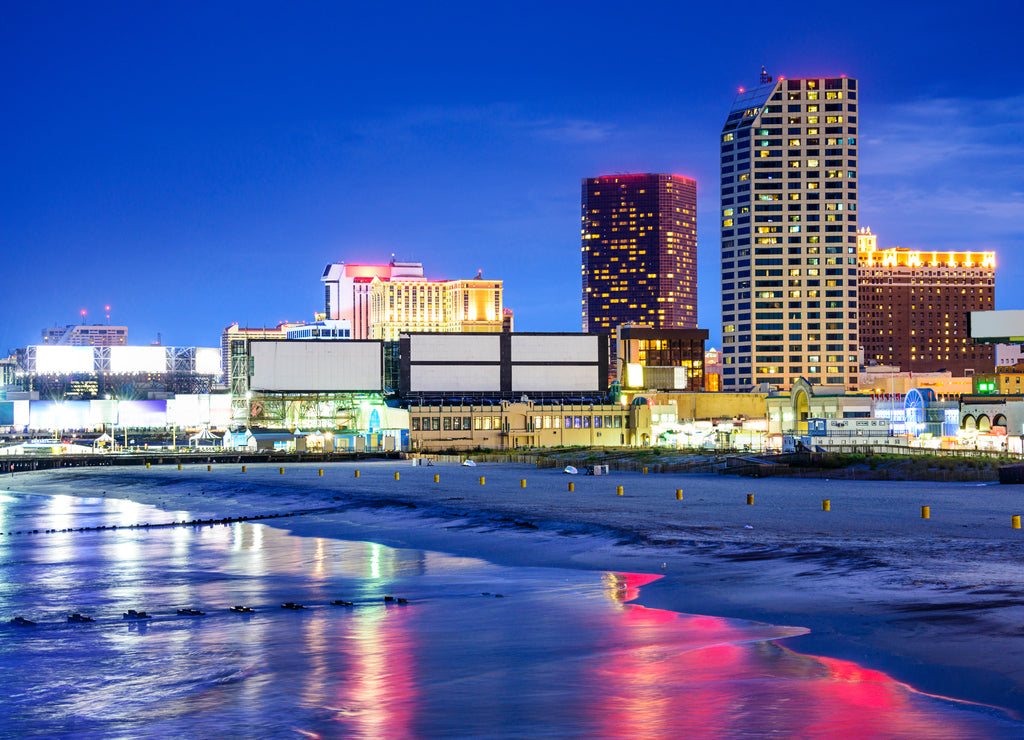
x=937 y=603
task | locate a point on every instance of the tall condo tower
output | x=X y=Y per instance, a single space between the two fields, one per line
x=789 y=234
x=639 y=252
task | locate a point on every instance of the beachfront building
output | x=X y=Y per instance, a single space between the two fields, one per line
x=789 y=234
x=234 y=350
x=788 y=412
x=322 y=385
x=664 y=359
x=511 y=425
x=915 y=307
x=890 y=379
x=58 y=372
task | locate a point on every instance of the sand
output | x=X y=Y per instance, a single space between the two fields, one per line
x=937 y=603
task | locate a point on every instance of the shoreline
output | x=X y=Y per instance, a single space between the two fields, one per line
x=935 y=603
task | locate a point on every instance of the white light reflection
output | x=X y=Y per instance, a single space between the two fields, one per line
x=375 y=551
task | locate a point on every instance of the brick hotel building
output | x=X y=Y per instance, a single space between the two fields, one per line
x=789 y=234
x=915 y=306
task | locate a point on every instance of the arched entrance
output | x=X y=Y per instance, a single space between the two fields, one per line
x=801 y=410
x=984 y=425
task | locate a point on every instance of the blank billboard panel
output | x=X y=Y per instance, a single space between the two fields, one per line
x=997 y=326
x=559 y=347
x=552 y=378
x=125 y=360
x=208 y=361
x=316 y=366
x=454 y=378
x=462 y=347
x=51 y=360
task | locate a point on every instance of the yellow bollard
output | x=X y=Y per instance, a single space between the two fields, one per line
x=571 y=487
x=320 y=472
x=522 y=483
x=282 y=470
x=147 y=465
x=618 y=491
x=481 y=480
x=437 y=478
x=357 y=474
x=243 y=468
x=645 y=470
x=679 y=494
x=1015 y=522
x=750 y=499
x=396 y=475
x=826 y=505
x=179 y=466
x=209 y=468
x=926 y=512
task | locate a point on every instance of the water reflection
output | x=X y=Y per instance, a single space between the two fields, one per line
x=561 y=653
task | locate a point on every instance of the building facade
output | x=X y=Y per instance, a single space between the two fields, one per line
x=644 y=354
x=789 y=234
x=511 y=425
x=639 y=252
x=915 y=306
x=347 y=290
x=86 y=335
x=464 y=306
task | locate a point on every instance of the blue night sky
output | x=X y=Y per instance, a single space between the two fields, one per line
x=195 y=164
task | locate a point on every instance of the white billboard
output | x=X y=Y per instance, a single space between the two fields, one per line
x=52 y=360
x=316 y=366
x=208 y=361
x=998 y=326
x=551 y=347
x=194 y=410
x=463 y=347
x=454 y=378
x=125 y=360
x=561 y=378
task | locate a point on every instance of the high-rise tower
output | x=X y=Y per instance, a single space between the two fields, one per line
x=789 y=234
x=639 y=252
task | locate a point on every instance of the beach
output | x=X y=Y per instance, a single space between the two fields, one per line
x=935 y=603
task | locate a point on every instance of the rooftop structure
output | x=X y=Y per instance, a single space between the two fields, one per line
x=86 y=335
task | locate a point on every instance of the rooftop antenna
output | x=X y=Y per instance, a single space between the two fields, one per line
x=765 y=77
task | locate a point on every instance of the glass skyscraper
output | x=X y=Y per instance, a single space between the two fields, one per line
x=639 y=252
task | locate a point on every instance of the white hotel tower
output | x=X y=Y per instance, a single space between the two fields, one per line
x=789 y=234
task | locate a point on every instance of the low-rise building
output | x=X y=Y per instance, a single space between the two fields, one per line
x=510 y=425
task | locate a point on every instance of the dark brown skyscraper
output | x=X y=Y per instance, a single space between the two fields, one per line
x=639 y=252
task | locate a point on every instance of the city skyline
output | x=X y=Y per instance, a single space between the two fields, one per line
x=204 y=173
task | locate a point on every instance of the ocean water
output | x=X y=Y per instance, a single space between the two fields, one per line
x=478 y=650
